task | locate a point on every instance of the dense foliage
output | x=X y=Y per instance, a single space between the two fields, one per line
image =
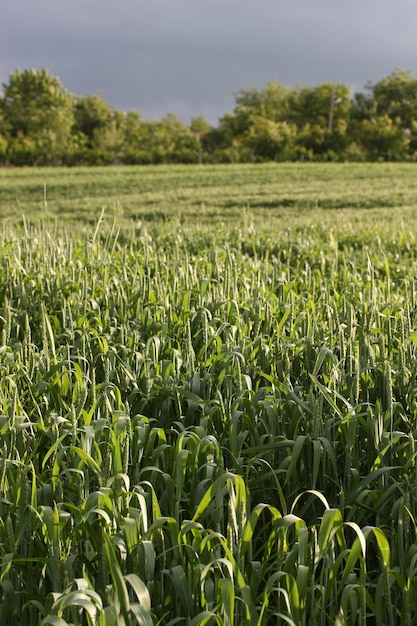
x=210 y=423
x=41 y=124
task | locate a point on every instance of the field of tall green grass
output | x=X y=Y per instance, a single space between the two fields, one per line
x=208 y=396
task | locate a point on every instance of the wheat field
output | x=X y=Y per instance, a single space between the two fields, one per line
x=209 y=420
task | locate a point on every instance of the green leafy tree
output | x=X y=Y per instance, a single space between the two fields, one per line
x=396 y=96
x=363 y=107
x=228 y=140
x=279 y=122
x=99 y=129
x=253 y=129
x=3 y=140
x=199 y=128
x=38 y=117
x=383 y=139
x=108 y=142
x=326 y=105
x=384 y=119
x=270 y=140
x=321 y=114
x=200 y=125
x=168 y=141
x=92 y=115
x=217 y=143
x=272 y=102
x=132 y=137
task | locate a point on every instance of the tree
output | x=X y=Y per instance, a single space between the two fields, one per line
x=199 y=128
x=37 y=111
x=396 y=96
x=383 y=139
x=265 y=108
x=269 y=140
x=163 y=141
x=199 y=125
x=218 y=142
x=384 y=120
x=132 y=137
x=92 y=115
x=108 y=142
x=99 y=129
x=3 y=140
x=326 y=105
x=271 y=102
x=363 y=107
x=321 y=114
x=279 y=122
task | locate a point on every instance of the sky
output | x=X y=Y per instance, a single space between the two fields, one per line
x=190 y=57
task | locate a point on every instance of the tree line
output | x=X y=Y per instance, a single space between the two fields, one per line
x=41 y=123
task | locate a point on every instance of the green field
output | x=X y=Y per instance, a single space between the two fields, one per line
x=239 y=195
x=208 y=397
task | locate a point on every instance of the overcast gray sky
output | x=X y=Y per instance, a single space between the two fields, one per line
x=189 y=56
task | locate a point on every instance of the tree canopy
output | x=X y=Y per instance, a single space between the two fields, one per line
x=41 y=123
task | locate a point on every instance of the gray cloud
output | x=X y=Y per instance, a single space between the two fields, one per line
x=189 y=56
